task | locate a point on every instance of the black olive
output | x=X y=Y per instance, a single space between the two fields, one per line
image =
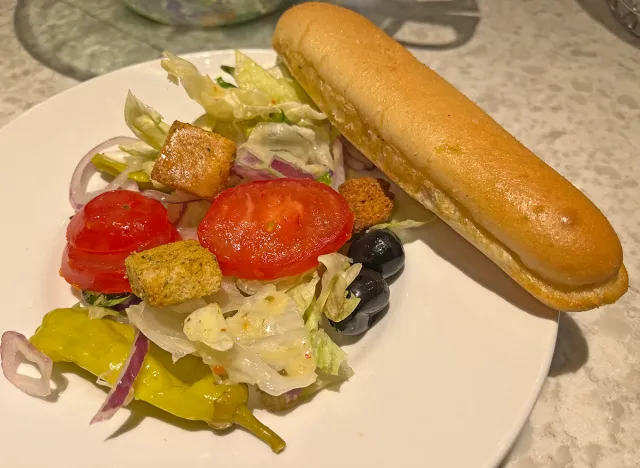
x=379 y=250
x=373 y=292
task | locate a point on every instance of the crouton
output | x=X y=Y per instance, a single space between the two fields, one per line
x=194 y=160
x=173 y=273
x=369 y=199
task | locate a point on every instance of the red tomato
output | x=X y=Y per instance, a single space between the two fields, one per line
x=105 y=232
x=275 y=228
x=116 y=221
x=103 y=273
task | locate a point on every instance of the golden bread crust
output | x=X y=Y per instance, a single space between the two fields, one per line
x=446 y=152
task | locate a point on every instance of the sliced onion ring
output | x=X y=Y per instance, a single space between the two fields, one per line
x=188 y=233
x=245 y=158
x=130 y=185
x=11 y=346
x=84 y=170
x=289 y=170
x=251 y=168
x=354 y=157
x=250 y=173
x=353 y=163
x=122 y=392
x=176 y=211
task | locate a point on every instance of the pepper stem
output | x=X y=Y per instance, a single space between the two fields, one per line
x=245 y=418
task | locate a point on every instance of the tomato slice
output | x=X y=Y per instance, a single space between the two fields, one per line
x=116 y=221
x=275 y=228
x=105 y=232
x=99 y=272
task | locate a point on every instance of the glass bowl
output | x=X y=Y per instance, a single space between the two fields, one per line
x=204 y=13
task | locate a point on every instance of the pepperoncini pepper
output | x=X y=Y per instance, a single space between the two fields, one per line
x=113 y=168
x=186 y=388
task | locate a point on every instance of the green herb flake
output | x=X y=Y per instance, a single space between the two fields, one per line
x=224 y=84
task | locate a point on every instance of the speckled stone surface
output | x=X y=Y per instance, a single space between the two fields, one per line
x=25 y=81
x=559 y=79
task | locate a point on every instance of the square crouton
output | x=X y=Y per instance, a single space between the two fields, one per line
x=194 y=160
x=173 y=273
x=369 y=199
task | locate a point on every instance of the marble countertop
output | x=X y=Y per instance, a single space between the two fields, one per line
x=560 y=75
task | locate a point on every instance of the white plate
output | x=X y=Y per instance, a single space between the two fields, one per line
x=446 y=379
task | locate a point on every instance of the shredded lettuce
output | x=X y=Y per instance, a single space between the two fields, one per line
x=199 y=87
x=340 y=304
x=164 y=327
x=332 y=300
x=140 y=149
x=145 y=122
x=207 y=325
x=305 y=148
x=99 y=305
x=302 y=114
x=272 y=346
x=339 y=175
x=325 y=179
x=279 y=118
x=237 y=131
x=188 y=307
x=264 y=343
x=104 y=300
x=313 y=314
x=280 y=71
x=406 y=224
x=233 y=104
x=303 y=293
x=295 y=397
x=270 y=325
x=229 y=297
x=249 y=75
x=205 y=122
x=329 y=355
x=250 y=287
x=243 y=365
x=98 y=312
x=224 y=84
x=268 y=341
x=338 y=276
x=228 y=70
x=265 y=339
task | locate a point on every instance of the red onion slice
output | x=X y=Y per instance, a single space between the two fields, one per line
x=176 y=197
x=289 y=170
x=122 y=391
x=14 y=344
x=355 y=157
x=188 y=233
x=353 y=163
x=130 y=185
x=250 y=167
x=121 y=181
x=84 y=170
x=246 y=159
x=253 y=174
x=176 y=211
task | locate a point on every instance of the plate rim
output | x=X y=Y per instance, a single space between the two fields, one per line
x=506 y=443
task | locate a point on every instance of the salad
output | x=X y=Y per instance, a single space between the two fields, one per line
x=223 y=257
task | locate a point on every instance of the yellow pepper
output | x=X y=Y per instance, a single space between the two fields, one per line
x=186 y=388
